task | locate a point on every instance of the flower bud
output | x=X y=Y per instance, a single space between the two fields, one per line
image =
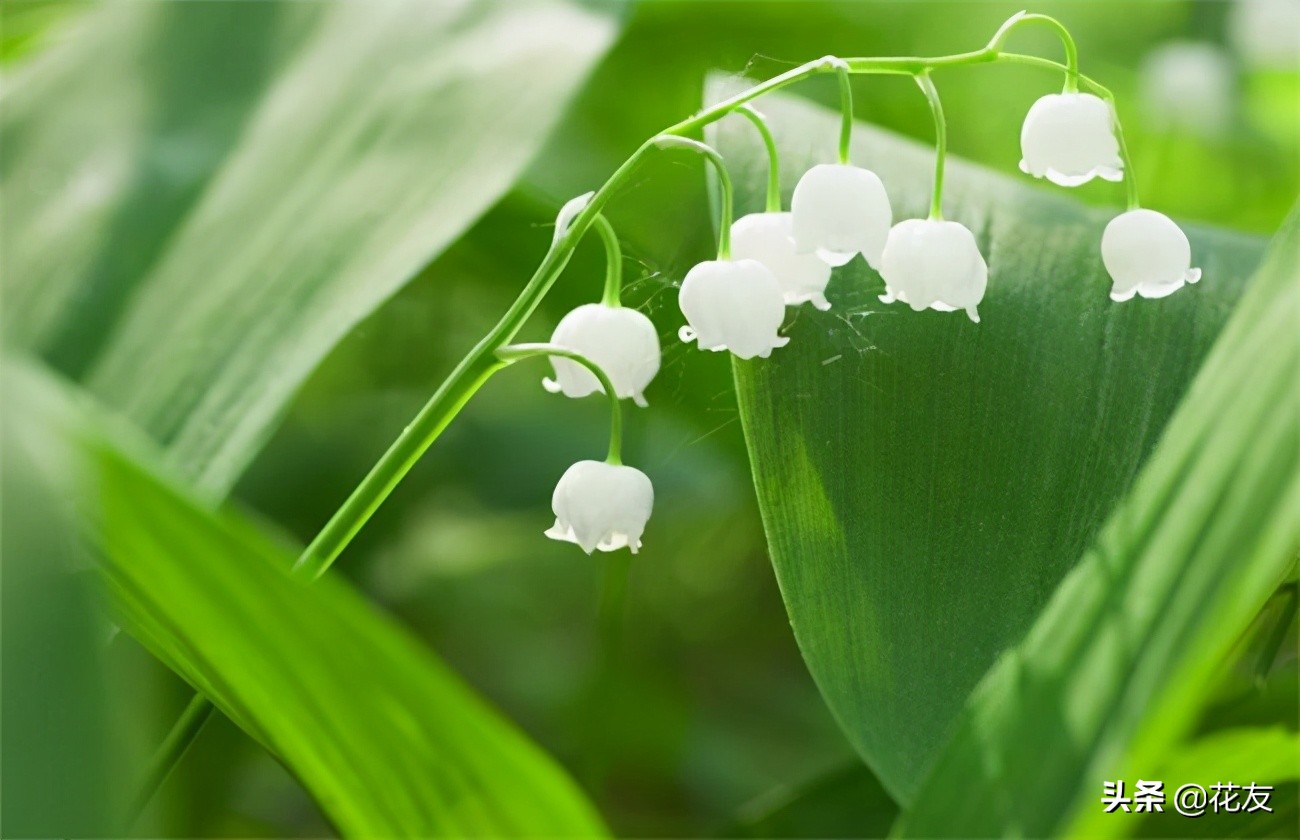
x=934 y=264
x=1069 y=138
x=768 y=238
x=601 y=506
x=622 y=342
x=839 y=210
x=1146 y=254
x=734 y=305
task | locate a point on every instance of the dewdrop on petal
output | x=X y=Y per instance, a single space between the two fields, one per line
x=1146 y=254
x=601 y=506
x=622 y=342
x=768 y=238
x=839 y=210
x=734 y=305
x=934 y=264
x=1069 y=139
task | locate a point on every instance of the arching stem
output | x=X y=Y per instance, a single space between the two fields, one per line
x=1067 y=40
x=846 y=107
x=727 y=193
x=613 y=262
x=926 y=84
x=773 y=158
x=514 y=352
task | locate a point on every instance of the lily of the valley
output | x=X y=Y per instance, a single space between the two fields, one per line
x=1146 y=254
x=734 y=305
x=1069 y=139
x=602 y=506
x=838 y=211
x=934 y=264
x=769 y=239
x=622 y=342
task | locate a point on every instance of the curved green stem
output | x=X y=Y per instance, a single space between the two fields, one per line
x=169 y=753
x=515 y=352
x=846 y=108
x=727 y=193
x=773 y=157
x=1067 y=40
x=613 y=262
x=926 y=84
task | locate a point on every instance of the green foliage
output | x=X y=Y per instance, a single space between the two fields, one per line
x=1116 y=669
x=926 y=482
x=386 y=739
x=191 y=243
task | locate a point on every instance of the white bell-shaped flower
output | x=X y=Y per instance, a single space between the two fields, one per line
x=840 y=210
x=622 y=342
x=1146 y=254
x=734 y=305
x=601 y=506
x=769 y=238
x=1069 y=139
x=934 y=264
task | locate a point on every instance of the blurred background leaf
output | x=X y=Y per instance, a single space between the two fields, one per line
x=192 y=243
x=1115 y=672
x=387 y=740
x=925 y=481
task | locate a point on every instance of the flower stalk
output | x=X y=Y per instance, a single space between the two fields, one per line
x=926 y=84
x=516 y=352
x=773 y=203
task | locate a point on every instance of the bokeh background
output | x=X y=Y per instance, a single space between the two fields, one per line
x=711 y=716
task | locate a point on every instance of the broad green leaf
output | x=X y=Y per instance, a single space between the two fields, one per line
x=926 y=482
x=1116 y=670
x=225 y=190
x=848 y=802
x=384 y=737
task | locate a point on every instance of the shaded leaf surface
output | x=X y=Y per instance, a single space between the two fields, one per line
x=926 y=482
x=384 y=737
x=1119 y=666
x=198 y=223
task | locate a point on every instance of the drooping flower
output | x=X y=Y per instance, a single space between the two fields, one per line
x=839 y=210
x=601 y=506
x=622 y=342
x=768 y=238
x=935 y=264
x=1069 y=139
x=1146 y=254
x=734 y=305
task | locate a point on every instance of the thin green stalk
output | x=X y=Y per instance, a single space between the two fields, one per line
x=613 y=263
x=671 y=141
x=1067 y=40
x=926 y=84
x=773 y=157
x=170 y=751
x=846 y=109
x=515 y=352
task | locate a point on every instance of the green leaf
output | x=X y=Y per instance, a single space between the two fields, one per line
x=384 y=737
x=926 y=482
x=226 y=189
x=1117 y=669
x=848 y=802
